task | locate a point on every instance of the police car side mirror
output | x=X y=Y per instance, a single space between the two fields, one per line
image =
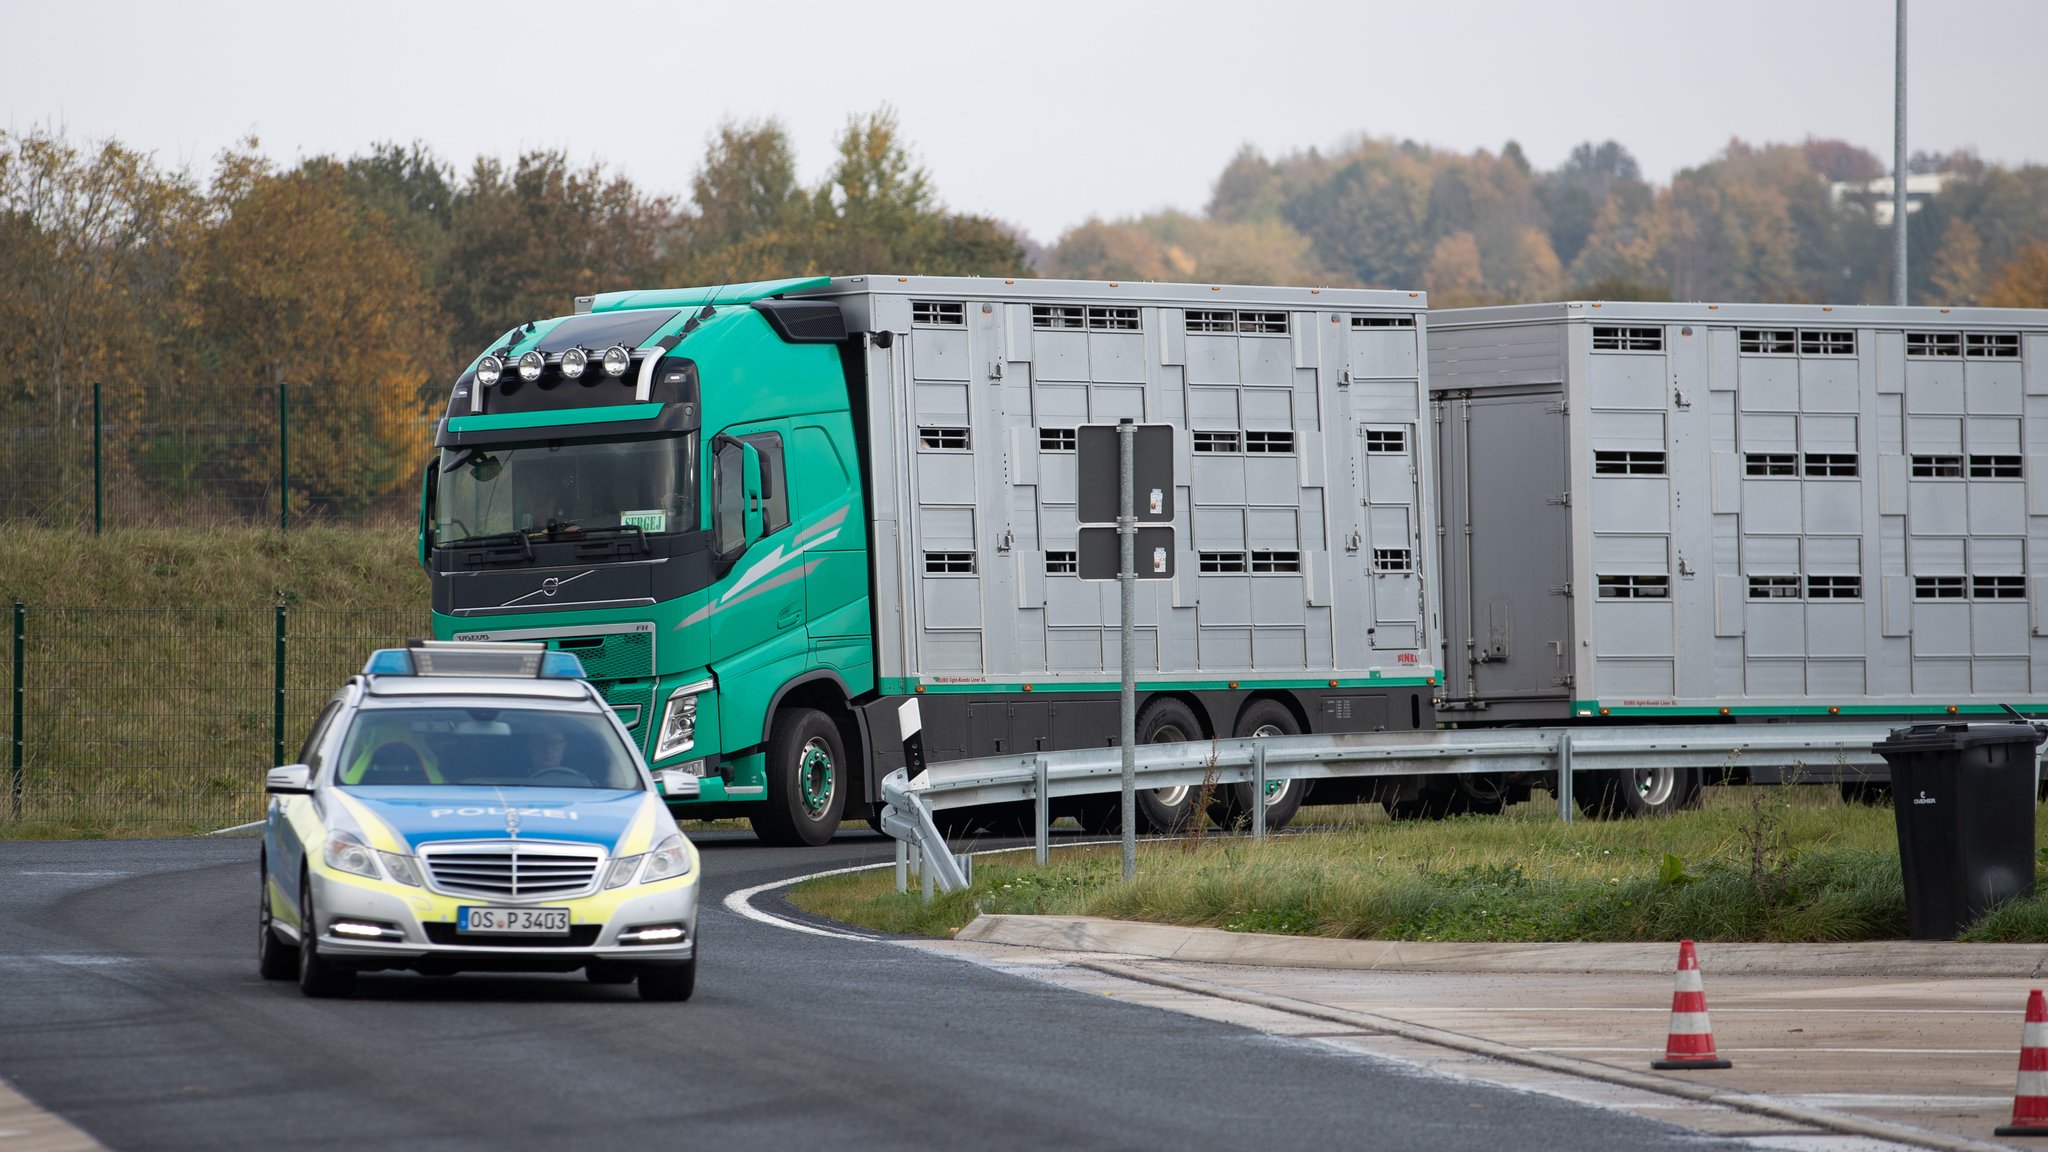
x=290 y=780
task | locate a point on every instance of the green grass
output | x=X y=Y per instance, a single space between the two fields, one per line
x=1757 y=864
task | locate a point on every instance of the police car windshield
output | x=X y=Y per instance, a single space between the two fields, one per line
x=500 y=747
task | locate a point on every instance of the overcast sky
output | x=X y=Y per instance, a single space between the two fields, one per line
x=1041 y=112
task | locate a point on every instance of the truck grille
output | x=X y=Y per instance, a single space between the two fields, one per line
x=512 y=869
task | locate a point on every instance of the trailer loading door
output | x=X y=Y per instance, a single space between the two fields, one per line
x=1505 y=480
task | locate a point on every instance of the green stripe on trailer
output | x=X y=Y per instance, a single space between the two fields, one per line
x=906 y=687
x=557 y=417
x=1594 y=708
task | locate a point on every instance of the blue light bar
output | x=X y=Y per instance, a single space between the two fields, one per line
x=561 y=666
x=389 y=662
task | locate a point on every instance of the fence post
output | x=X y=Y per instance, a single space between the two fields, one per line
x=277 y=690
x=98 y=474
x=284 y=467
x=20 y=695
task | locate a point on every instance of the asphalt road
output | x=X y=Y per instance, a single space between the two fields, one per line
x=130 y=1004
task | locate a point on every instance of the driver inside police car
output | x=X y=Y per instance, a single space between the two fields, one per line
x=544 y=752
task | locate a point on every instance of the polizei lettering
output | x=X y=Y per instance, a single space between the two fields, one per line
x=546 y=813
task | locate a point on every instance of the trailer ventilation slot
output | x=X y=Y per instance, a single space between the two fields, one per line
x=1998 y=587
x=1268 y=442
x=1994 y=467
x=1932 y=344
x=1992 y=345
x=1274 y=563
x=1770 y=464
x=1767 y=341
x=1831 y=464
x=1827 y=342
x=1056 y=317
x=1628 y=463
x=1634 y=587
x=1382 y=322
x=1937 y=587
x=1615 y=338
x=1215 y=441
x=1220 y=563
x=1937 y=467
x=1057 y=439
x=938 y=313
x=1386 y=441
x=1393 y=560
x=954 y=439
x=1774 y=587
x=1112 y=319
x=1212 y=321
x=948 y=563
x=1834 y=587
x=1062 y=563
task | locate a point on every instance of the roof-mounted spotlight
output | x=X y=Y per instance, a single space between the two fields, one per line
x=617 y=360
x=574 y=361
x=532 y=365
x=488 y=370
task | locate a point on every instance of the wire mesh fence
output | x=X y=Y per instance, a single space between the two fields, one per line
x=166 y=719
x=135 y=456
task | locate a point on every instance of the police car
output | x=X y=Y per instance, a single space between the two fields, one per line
x=473 y=807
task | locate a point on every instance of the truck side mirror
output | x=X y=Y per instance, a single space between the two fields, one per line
x=429 y=485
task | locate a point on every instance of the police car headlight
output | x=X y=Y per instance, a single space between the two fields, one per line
x=400 y=868
x=345 y=853
x=623 y=870
x=670 y=858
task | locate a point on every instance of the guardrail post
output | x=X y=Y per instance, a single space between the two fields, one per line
x=20 y=696
x=277 y=690
x=924 y=879
x=1041 y=806
x=1259 y=792
x=903 y=851
x=1564 y=777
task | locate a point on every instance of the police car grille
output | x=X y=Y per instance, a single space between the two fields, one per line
x=512 y=871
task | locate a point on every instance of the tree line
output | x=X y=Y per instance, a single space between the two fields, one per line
x=368 y=281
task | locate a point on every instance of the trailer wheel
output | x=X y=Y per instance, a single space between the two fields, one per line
x=1167 y=810
x=1632 y=792
x=806 y=780
x=1233 y=805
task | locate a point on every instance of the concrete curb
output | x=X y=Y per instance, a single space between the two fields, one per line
x=1215 y=946
x=24 y=1127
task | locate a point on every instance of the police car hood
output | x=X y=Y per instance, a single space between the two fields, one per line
x=429 y=814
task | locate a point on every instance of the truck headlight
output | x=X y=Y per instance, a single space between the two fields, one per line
x=679 y=720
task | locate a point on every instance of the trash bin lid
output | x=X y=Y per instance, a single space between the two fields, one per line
x=1951 y=737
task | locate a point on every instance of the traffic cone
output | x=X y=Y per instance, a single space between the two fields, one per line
x=1691 y=1042
x=2030 y=1096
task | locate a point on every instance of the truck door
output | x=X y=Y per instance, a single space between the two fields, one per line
x=1518 y=568
x=760 y=615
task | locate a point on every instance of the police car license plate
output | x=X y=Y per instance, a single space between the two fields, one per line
x=514 y=921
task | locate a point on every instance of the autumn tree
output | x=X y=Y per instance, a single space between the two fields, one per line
x=2023 y=282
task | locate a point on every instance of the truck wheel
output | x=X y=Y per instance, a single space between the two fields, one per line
x=275 y=959
x=1167 y=810
x=1632 y=792
x=806 y=780
x=317 y=977
x=1233 y=805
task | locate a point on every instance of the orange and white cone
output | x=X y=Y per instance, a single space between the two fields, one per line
x=1691 y=1042
x=2030 y=1097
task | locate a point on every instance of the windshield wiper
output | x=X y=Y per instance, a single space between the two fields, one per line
x=637 y=533
x=525 y=545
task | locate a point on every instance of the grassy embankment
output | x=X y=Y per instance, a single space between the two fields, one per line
x=149 y=664
x=1763 y=864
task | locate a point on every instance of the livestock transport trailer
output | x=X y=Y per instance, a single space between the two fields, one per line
x=1696 y=513
x=767 y=515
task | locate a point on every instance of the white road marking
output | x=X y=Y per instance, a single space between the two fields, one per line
x=739 y=903
x=236 y=828
x=103 y=872
x=20 y=959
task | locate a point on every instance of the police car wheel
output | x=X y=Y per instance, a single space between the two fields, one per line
x=317 y=977
x=275 y=959
x=676 y=983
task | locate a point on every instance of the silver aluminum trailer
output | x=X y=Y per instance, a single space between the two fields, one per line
x=1304 y=511
x=1740 y=512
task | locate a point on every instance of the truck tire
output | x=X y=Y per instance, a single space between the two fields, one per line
x=1462 y=794
x=1165 y=811
x=806 y=766
x=1633 y=792
x=1233 y=804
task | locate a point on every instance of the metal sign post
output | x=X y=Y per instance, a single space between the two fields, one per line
x=1141 y=454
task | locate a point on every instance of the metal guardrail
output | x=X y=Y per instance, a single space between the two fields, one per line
x=1044 y=776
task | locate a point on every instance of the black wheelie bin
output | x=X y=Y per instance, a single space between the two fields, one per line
x=1963 y=798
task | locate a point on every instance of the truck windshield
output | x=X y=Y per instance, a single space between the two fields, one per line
x=567 y=488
